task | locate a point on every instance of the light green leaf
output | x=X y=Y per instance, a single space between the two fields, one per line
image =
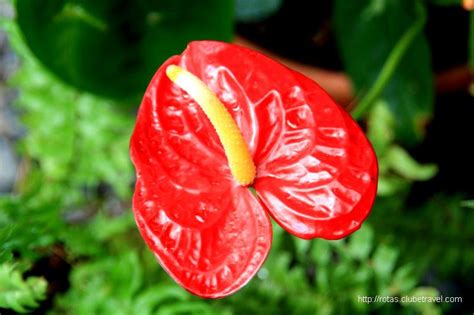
x=360 y=243
x=404 y=165
x=321 y=252
x=188 y=308
x=380 y=127
x=390 y=185
x=467 y=204
x=150 y=299
x=17 y=293
x=302 y=246
x=384 y=260
x=404 y=280
x=424 y=308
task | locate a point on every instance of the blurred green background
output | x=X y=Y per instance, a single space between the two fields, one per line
x=71 y=76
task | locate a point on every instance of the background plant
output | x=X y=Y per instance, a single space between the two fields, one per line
x=72 y=203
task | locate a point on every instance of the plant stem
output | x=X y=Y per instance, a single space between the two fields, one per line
x=391 y=63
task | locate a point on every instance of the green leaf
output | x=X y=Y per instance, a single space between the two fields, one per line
x=321 y=252
x=17 y=293
x=113 y=47
x=390 y=185
x=447 y=2
x=107 y=285
x=365 y=49
x=360 y=243
x=255 y=10
x=187 y=308
x=424 y=308
x=467 y=204
x=384 y=260
x=404 y=279
x=380 y=127
x=148 y=300
x=127 y=270
x=27 y=224
x=302 y=246
x=404 y=165
x=105 y=228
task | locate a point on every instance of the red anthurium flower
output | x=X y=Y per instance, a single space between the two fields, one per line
x=316 y=172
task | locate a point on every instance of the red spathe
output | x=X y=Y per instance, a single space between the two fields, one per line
x=316 y=171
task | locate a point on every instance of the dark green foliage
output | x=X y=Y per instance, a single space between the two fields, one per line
x=397 y=169
x=448 y=227
x=27 y=224
x=119 y=284
x=113 y=47
x=381 y=25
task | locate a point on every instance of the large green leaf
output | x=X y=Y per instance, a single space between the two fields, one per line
x=112 y=47
x=367 y=32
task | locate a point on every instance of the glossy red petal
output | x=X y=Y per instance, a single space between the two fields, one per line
x=320 y=178
x=316 y=171
x=210 y=234
x=210 y=262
